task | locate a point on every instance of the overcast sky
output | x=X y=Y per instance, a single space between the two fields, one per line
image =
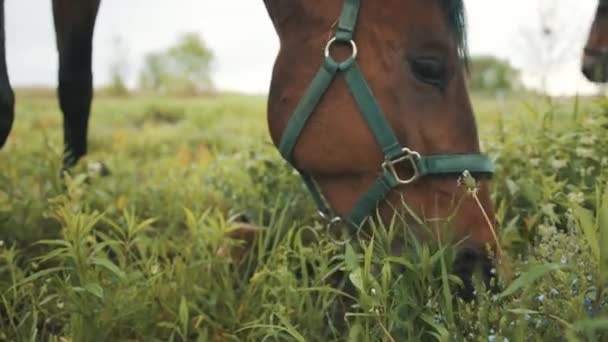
x=244 y=42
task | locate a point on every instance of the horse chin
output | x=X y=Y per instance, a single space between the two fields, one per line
x=469 y=263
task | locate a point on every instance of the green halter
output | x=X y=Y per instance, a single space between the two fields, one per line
x=394 y=153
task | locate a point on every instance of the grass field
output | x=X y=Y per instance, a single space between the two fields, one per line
x=133 y=256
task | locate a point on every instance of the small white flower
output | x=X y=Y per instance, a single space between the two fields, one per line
x=492 y=338
x=590 y=121
x=559 y=164
x=541 y=298
x=1 y=243
x=588 y=139
x=554 y=293
x=584 y=152
x=547 y=231
x=576 y=197
x=60 y=305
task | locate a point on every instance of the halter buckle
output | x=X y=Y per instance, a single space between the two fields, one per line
x=409 y=156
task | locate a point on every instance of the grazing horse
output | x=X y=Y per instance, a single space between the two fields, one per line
x=595 y=56
x=368 y=102
x=378 y=118
x=74 y=26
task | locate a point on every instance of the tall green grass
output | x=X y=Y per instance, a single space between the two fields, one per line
x=134 y=256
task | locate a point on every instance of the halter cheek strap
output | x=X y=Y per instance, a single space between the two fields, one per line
x=394 y=153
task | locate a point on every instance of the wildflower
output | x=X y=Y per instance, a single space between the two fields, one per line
x=546 y=231
x=584 y=152
x=540 y=298
x=60 y=305
x=492 y=338
x=588 y=139
x=564 y=260
x=559 y=164
x=554 y=293
x=1 y=243
x=576 y=197
x=588 y=305
x=467 y=180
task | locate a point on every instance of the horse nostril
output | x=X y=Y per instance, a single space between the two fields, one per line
x=594 y=68
x=588 y=71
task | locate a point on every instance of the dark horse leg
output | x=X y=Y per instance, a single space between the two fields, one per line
x=7 y=98
x=74 y=26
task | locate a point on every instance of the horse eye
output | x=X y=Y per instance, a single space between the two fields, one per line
x=429 y=70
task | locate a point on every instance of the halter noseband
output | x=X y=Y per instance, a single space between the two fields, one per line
x=394 y=153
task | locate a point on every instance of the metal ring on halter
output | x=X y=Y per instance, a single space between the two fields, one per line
x=353 y=46
x=331 y=223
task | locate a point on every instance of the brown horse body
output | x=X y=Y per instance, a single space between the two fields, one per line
x=595 y=55
x=74 y=26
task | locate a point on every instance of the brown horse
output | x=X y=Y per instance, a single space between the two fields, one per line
x=387 y=119
x=412 y=53
x=74 y=26
x=595 y=56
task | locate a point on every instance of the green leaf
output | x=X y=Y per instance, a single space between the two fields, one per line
x=108 y=265
x=603 y=243
x=350 y=257
x=587 y=224
x=528 y=278
x=356 y=277
x=184 y=314
x=523 y=312
x=442 y=334
x=37 y=275
x=291 y=329
x=592 y=324
x=95 y=290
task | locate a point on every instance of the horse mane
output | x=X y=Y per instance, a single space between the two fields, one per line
x=456 y=17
